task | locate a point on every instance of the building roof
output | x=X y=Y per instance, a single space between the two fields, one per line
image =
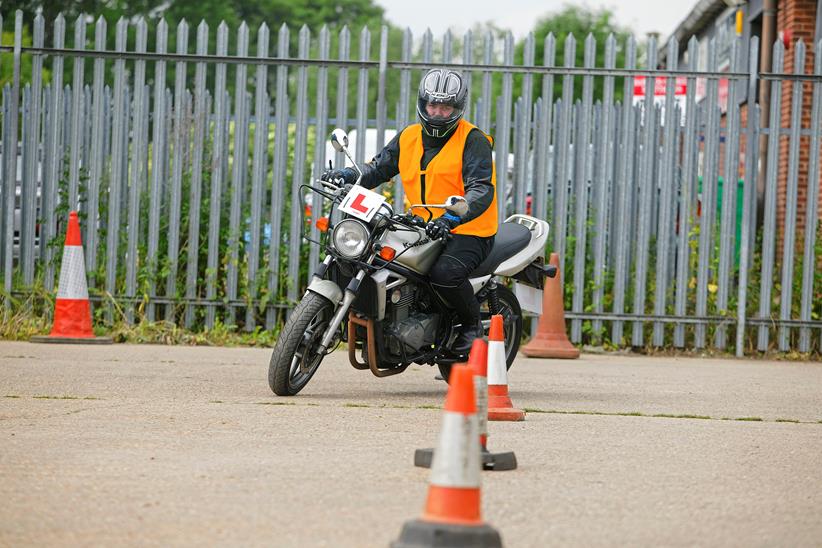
x=702 y=15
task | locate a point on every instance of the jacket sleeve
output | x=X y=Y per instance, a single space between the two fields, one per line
x=384 y=166
x=477 y=168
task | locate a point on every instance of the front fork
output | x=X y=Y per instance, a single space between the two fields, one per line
x=350 y=294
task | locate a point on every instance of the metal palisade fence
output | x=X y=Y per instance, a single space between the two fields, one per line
x=186 y=163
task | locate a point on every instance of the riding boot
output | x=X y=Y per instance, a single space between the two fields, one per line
x=461 y=298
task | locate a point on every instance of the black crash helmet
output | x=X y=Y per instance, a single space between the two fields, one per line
x=445 y=87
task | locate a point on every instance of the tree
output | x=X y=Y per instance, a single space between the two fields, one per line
x=579 y=21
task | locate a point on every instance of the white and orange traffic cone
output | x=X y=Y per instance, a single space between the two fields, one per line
x=72 y=310
x=500 y=407
x=453 y=515
x=478 y=363
x=551 y=339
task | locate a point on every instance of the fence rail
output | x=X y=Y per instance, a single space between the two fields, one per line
x=186 y=164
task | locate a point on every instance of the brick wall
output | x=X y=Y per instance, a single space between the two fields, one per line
x=797 y=17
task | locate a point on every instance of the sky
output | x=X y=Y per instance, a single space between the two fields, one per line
x=520 y=16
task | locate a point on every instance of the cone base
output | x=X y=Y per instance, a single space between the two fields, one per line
x=498 y=462
x=550 y=346
x=506 y=414
x=56 y=339
x=419 y=533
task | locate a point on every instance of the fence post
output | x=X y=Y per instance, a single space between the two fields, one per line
x=791 y=192
x=749 y=196
x=646 y=193
x=181 y=128
x=139 y=151
x=769 y=222
x=811 y=215
x=319 y=148
x=562 y=147
x=503 y=128
x=664 y=232
x=601 y=186
x=119 y=161
x=218 y=164
x=543 y=152
x=689 y=175
x=298 y=169
x=582 y=153
x=278 y=172
x=709 y=183
x=258 y=172
x=406 y=92
x=382 y=72
x=196 y=191
x=97 y=154
x=362 y=97
x=729 y=200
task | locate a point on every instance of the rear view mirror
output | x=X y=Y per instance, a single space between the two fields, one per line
x=339 y=140
x=456 y=205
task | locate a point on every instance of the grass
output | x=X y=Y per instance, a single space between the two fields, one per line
x=657 y=415
x=30 y=315
x=65 y=397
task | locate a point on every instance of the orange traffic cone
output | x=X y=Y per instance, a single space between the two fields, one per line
x=500 y=407
x=478 y=363
x=452 y=515
x=551 y=340
x=72 y=311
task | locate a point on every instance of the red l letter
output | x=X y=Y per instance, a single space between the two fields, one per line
x=357 y=204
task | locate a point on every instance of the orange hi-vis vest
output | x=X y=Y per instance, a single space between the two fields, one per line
x=442 y=177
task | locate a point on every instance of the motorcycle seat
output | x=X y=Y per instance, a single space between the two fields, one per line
x=511 y=238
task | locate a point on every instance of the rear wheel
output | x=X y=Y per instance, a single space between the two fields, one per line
x=511 y=313
x=295 y=359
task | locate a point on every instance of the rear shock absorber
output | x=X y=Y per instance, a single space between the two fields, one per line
x=493 y=298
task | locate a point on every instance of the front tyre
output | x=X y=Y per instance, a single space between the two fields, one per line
x=294 y=359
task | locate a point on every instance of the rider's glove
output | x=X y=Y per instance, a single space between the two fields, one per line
x=340 y=177
x=342 y=192
x=441 y=226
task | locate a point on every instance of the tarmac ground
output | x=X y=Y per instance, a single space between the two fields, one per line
x=182 y=446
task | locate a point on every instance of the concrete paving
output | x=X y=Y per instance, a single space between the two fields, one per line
x=179 y=446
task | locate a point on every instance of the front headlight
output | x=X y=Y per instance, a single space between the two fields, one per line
x=350 y=237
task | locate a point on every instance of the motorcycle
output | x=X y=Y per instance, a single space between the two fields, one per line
x=372 y=291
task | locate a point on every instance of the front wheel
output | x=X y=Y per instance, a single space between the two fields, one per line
x=295 y=360
x=511 y=313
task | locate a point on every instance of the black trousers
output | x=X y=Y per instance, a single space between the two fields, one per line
x=449 y=275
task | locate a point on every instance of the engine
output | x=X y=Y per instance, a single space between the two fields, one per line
x=410 y=327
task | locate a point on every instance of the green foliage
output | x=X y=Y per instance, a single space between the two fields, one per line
x=580 y=21
x=7 y=60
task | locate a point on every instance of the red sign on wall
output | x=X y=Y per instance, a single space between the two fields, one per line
x=680 y=88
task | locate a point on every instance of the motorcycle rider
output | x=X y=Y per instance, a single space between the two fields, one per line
x=441 y=156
